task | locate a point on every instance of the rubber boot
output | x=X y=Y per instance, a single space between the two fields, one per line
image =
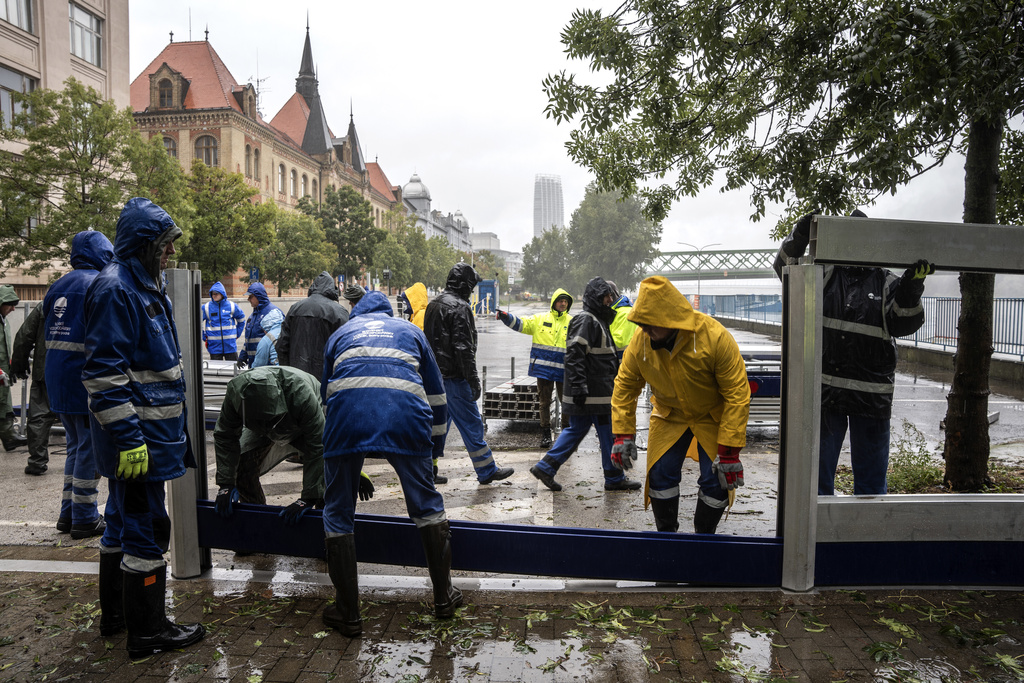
x=437 y=546
x=545 y=438
x=111 y=587
x=343 y=569
x=149 y=629
x=706 y=518
x=666 y=513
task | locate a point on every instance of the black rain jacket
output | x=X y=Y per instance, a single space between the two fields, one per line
x=308 y=326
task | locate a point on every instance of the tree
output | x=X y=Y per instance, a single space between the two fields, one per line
x=79 y=160
x=609 y=236
x=392 y=256
x=228 y=230
x=347 y=219
x=442 y=257
x=547 y=263
x=300 y=252
x=412 y=239
x=488 y=266
x=812 y=105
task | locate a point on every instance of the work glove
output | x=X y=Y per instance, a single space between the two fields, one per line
x=293 y=513
x=728 y=467
x=5 y=379
x=226 y=498
x=18 y=370
x=133 y=463
x=580 y=400
x=365 y=486
x=623 y=452
x=474 y=386
x=920 y=270
x=502 y=315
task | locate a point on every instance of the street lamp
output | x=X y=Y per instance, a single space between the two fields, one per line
x=700 y=250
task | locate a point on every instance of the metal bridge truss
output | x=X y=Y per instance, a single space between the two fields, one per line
x=935 y=539
x=713 y=265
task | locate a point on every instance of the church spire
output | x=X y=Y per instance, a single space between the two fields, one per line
x=306 y=84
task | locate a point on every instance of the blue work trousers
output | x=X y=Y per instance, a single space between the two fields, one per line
x=569 y=440
x=137 y=522
x=81 y=482
x=664 y=477
x=463 y=411
x=415 y=473
x=869 y=452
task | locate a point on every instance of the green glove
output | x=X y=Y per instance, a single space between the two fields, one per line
x=921 y=270
x=134 y=463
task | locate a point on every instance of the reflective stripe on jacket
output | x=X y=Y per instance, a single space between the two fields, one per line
x=549 y=331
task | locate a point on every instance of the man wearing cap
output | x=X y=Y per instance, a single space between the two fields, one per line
x=352 y=294
x=701 y=401
x=11 y=440
x=133 y=374
x=547 y=355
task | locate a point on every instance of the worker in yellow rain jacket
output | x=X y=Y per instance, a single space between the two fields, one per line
x=416 y=295
x=699 y=389
x=621 y=328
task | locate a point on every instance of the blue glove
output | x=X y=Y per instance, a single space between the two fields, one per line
x=365 y=486
x=294 y=512
x=226 y=498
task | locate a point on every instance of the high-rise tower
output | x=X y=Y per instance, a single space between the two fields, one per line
x=547 y=203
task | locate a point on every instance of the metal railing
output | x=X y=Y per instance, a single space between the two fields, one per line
x=941 y=315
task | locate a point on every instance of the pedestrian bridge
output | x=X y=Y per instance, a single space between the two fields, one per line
x=713 y=265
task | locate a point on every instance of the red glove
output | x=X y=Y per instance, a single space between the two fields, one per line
x=623 y=451
x=501 y=315
x=4 y=379
x=728 y=467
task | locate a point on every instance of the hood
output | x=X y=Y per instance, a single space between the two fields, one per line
x=324 y=285
x=141 y=223
x=461 y=280
x=373 y=302
x=561 y=292
x=218 y=288
x=260 y=292
x=263 y=401
x=90 y=250
x=417 y=297
x=8 y=295
x=620 y=302
x=353 y=293
x=660 y=304
x=593 y=300
x=271 y=322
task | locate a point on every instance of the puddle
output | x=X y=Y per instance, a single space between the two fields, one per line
x=919 y=671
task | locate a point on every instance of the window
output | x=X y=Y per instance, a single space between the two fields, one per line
x=293 y=183
x=12 y=82
x=86 y=35
x=171 y=145
x=17 y=12
x=280 y=178
x=314 y=190
x=166 y=91
x=256 y=164
x=305 y=185
x=206 y=150
x=248 y=161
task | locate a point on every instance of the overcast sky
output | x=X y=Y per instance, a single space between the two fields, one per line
x=451 y=90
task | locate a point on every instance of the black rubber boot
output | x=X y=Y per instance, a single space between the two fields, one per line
x=666 y=513
x=149 y=629
x=439 y=478
x=343 y=615
x=545 y=438
x=706 y=518
x=437 y=546
x=111 y=586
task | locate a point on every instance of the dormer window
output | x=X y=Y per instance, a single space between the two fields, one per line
x=166 y=93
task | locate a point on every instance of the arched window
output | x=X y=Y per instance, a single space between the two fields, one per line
x=206 y=150
x=293 y=185
x=166 y=93
x=280 y=178
x=248 y=161
x=256 y=163
x=305 y=185
x=315 y=195
x=171 y=145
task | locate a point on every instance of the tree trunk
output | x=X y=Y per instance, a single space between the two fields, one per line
x=967 y=441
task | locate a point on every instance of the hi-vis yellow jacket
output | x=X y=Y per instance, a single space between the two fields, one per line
x=548 y=329
x=418 y=299
x=700 y=384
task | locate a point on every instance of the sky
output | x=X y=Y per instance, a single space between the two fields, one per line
x=451 y=90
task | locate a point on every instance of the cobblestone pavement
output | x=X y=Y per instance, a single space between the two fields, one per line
x=272 y=631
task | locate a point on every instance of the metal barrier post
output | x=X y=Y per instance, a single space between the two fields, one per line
x=801 y=401
x=187 y=558
x=24 y=388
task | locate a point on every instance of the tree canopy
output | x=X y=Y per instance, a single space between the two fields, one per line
x=299 y=252
x=71 y=161
x=347 y=220
x=813 y=104
x=608 y=236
